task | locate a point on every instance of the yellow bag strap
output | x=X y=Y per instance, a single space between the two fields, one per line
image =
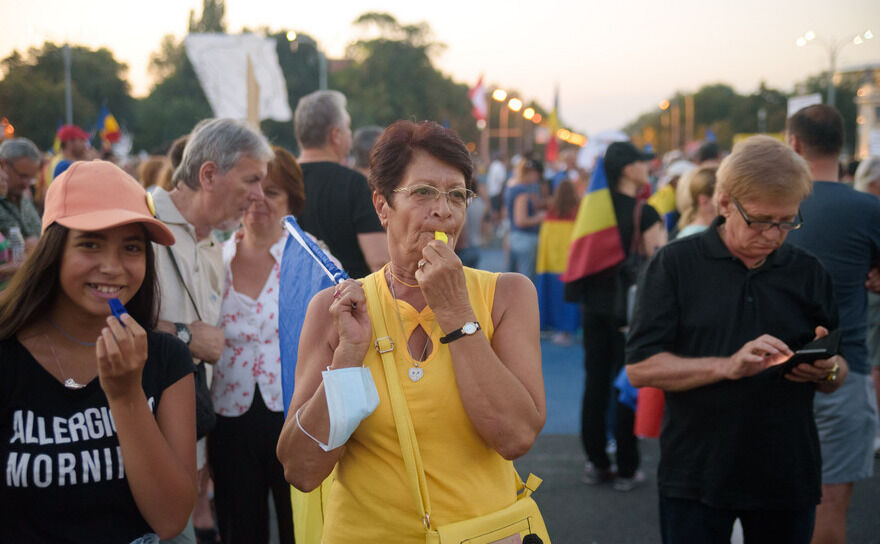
x=409 y=446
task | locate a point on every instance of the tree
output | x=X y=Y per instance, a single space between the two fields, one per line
x=301 y=68
x=212 y=19
x=392 y=77
x=717 y=108
x=177 y=102
x=32 y=90
x=845 y=89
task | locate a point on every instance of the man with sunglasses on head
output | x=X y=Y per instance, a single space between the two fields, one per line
x=20 y=161
x=339 y=207
x=842 y=228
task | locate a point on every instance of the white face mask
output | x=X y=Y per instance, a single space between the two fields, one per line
x=351 y=397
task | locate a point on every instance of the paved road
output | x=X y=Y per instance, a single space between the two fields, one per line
x=579 y=514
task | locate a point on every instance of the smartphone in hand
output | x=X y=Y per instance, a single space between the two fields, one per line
x=821 y=348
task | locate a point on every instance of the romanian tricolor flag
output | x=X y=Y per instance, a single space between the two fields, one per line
x=108 y=128
x=595 y=239
x=554 y=240
x=664 y=202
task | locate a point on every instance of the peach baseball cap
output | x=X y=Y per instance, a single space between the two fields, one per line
x=97 y=195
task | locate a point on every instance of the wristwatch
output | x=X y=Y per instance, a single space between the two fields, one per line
x=183 y=333
x=469 y=328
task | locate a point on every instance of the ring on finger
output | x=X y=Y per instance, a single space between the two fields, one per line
x=337 y=293
x=422 y=263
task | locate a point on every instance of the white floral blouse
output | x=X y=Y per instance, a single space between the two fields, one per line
x=251 y=354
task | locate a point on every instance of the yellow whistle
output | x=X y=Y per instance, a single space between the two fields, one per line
x=440 y=235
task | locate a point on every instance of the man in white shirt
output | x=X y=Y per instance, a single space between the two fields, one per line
x=495 y=179
x=218 y=178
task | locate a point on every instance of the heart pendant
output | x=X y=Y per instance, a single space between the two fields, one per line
x=416 y=373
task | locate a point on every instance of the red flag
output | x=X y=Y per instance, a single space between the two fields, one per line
x=477 y=95
x=551 y=151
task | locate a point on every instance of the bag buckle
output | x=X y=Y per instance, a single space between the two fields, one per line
x=387 y=342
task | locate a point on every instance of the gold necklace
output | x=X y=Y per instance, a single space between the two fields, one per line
x=415 y=372
x=390 y=271
x=69 y=383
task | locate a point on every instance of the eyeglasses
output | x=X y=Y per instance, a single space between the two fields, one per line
x=425 y=194
x=763 y=226
x=19 y=175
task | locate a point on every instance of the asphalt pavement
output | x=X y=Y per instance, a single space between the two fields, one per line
x=576 y=513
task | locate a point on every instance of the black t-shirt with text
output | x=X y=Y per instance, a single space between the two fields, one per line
x=64 y=477
x=339 y=206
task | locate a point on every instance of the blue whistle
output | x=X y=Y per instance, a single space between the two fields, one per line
x=117 y=308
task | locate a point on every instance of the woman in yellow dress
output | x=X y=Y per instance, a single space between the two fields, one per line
x=466 y=350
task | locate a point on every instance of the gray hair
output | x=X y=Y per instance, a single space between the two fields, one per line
x=316 y=115
x=19 y=148
x=223 y=142
x=868 y=171
x=362 y=143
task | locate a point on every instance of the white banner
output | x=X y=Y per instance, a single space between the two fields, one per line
x=220 y=62
x=797 y=103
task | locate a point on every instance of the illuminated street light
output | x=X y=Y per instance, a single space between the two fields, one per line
x=481 y=124
x=537 y=118
x=515 y=104
x=529 y=113
x=291 y=36
x=833 y=47
x=499 y=95
x=664 y=105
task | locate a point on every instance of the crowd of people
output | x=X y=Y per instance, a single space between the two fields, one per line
x=698 y=275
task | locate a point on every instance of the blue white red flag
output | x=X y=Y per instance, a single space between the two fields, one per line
x=305 y=270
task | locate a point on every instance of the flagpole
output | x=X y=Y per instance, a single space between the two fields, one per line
x=68 y=97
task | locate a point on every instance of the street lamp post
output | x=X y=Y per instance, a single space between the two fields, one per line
x=832 y=46
x=296 y=40
x=665 y=129
x=500 y=95
x=515 y=105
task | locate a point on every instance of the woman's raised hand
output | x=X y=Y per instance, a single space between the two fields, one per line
x=349 y=311
x=121 y=353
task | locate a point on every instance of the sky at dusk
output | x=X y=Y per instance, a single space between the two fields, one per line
x=611 y=60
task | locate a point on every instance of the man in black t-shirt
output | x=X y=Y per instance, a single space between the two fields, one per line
x=627 y=171
x=339 y=208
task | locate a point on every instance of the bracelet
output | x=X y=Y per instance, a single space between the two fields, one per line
x=305 y=432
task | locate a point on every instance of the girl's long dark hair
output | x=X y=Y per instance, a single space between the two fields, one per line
x=35 y=287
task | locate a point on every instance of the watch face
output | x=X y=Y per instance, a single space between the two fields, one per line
x=469 y=328
x=183 y=334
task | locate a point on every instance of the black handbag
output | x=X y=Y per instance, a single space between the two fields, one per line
x=206 y=419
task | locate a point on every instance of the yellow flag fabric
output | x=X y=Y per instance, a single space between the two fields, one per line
x=308 y=512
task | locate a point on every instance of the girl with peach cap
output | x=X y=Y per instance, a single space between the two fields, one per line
x=97 y=412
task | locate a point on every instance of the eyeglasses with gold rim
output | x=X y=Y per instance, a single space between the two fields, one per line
x=458 y=196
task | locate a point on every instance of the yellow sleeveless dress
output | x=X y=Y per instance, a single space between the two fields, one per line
x=371 y=501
